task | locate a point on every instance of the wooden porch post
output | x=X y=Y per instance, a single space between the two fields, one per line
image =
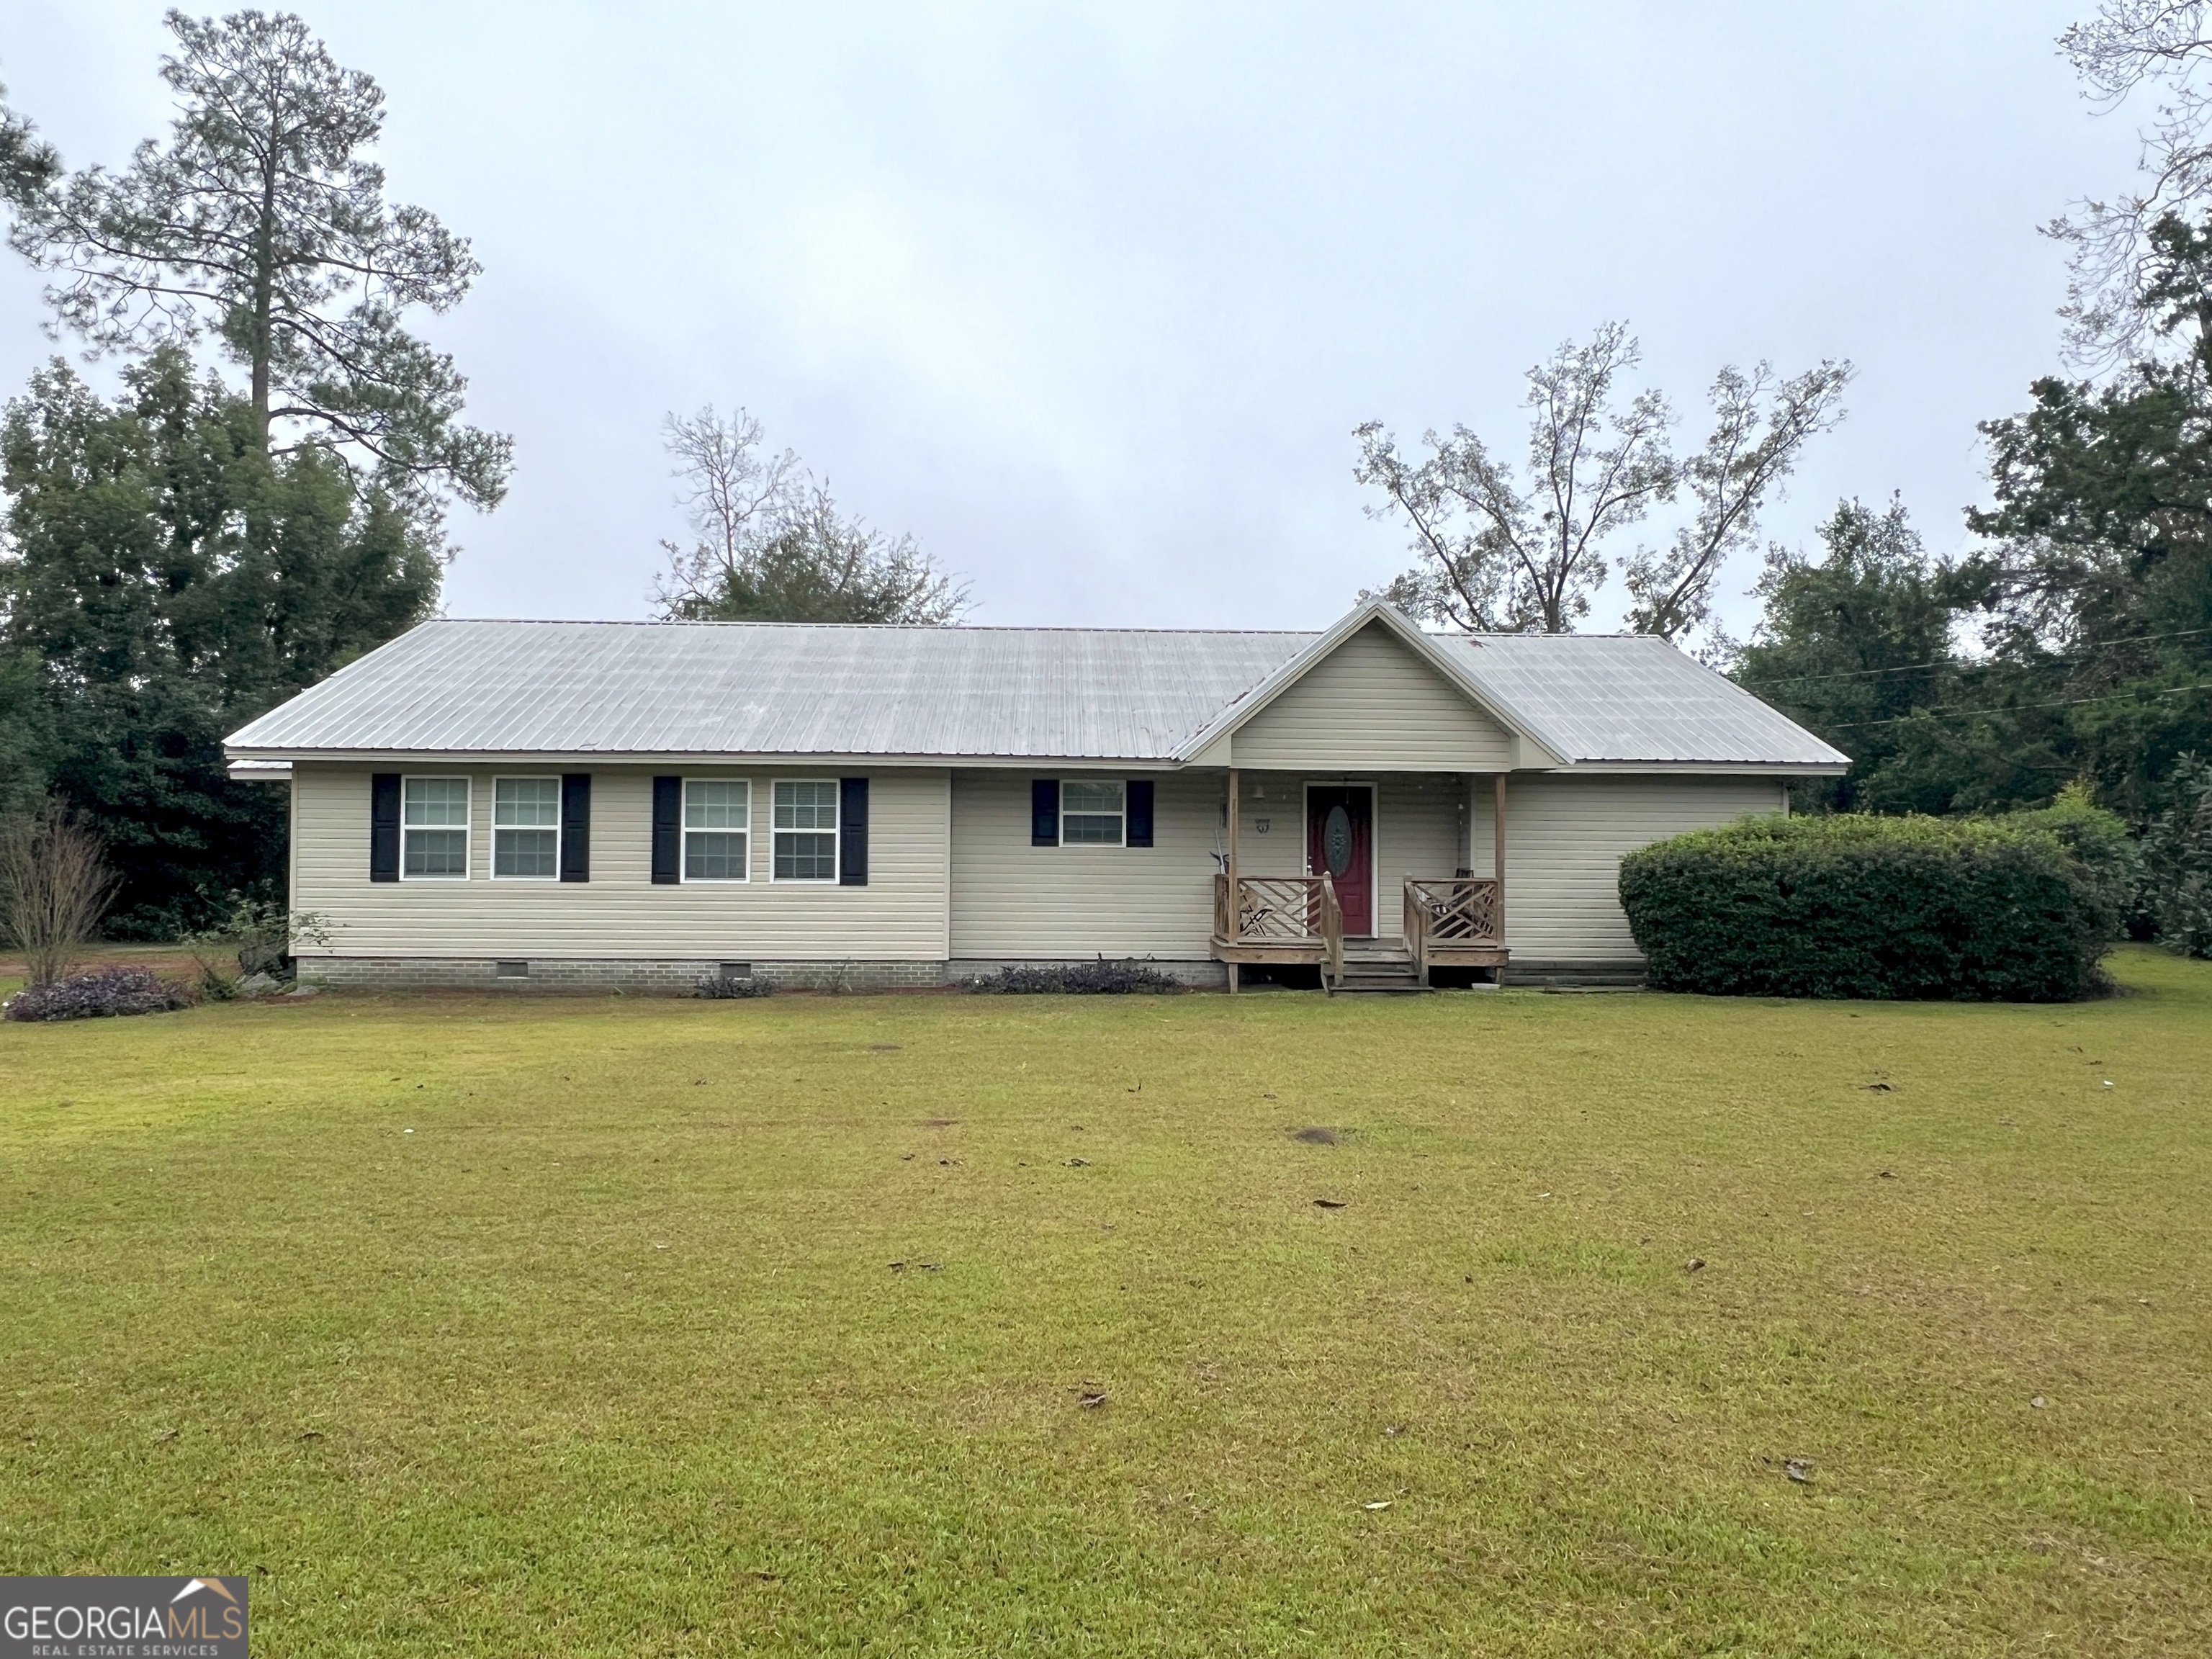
x=1497 y=848
x=1236 y=898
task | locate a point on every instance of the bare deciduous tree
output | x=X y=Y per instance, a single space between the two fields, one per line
x=55 y=885
x=770 y=544
x=1498 y=557
x=1754 y=444
x=2127 y=44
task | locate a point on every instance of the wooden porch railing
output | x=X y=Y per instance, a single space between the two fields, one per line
x=1295 y=910
x=1332 y=936
x=1461 y=911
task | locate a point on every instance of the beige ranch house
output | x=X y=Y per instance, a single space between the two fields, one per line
x=648 y=804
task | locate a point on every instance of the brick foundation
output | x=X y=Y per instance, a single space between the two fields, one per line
x=603 y=974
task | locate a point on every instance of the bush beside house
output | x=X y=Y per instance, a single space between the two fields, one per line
x=2020 y=908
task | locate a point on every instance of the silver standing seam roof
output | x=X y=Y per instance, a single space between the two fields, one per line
x=452 y=688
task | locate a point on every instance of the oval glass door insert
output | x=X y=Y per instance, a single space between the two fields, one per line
x=1336 y=840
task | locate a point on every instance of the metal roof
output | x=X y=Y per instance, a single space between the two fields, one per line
x=548 y=688
x=1630 y=697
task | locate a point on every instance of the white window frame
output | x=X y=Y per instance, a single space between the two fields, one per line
x=685 y=832
x=1122 y=840
x=467 y=825
x=836 y=836
x=525 y=777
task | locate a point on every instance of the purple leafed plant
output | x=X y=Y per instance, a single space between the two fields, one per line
x=99 y=994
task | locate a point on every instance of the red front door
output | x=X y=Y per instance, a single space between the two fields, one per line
x=1340 y=840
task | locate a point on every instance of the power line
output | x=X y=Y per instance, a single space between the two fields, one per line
x=1950 y=662
x=2012 y=708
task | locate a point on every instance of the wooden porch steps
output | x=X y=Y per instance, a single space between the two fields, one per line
x=1380 y=972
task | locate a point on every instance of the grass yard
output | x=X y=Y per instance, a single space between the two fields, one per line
x=490 y=1326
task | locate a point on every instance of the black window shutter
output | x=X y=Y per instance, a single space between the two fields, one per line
x=575 y=826
x=667 y=829
x=1140 y=829
x=1044 y=811
x=852 y=832
x=384 y=826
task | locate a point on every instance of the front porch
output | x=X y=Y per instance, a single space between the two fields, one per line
x=1449 y=922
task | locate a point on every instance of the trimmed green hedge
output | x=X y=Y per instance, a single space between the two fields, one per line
x=2016 y=910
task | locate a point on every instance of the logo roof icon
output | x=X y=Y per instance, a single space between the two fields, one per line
x=214 y=1584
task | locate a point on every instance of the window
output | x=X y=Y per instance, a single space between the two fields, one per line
x=1090 y=814
x=806 y=831
x=526 y=829
x=717 y=818
x=434 y=830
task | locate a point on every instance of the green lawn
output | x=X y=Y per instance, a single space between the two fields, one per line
x=478 y=1325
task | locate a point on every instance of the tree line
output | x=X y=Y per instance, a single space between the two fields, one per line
x=266 y=493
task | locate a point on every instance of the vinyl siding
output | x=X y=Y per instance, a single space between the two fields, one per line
x=1565 y=837
x=1013 y=901
x=899 y=916
x=1418 y=831
x=1372 y=706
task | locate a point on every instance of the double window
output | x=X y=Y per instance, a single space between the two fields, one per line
x=434 y=830
x=717 y=829
x=526 y=829
x=1092 y=814
x=806 y=830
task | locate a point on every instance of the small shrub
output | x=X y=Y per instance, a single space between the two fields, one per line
x=104 y=994
x=55 y=885
x=716 y=986
x=1100 y=978
x=258 y=935
x=1970 y=909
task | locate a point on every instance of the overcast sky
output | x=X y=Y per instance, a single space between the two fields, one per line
x=1090 y=298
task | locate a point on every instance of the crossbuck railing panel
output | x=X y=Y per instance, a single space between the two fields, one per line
x=1278 y=908
x=1463 y=909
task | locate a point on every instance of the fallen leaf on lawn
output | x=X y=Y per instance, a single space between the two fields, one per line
x=898 y=1267
x=1078 y=1164
x=1329 y=1203
x=1888 y=1175
x=1384 y=1503
x=1093 y=1401
x=1883 y=1088
x=1798 y=1470
x=932 y=1266
x=311 y=1434
x=1696 y=1264
x=1269 y=1096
